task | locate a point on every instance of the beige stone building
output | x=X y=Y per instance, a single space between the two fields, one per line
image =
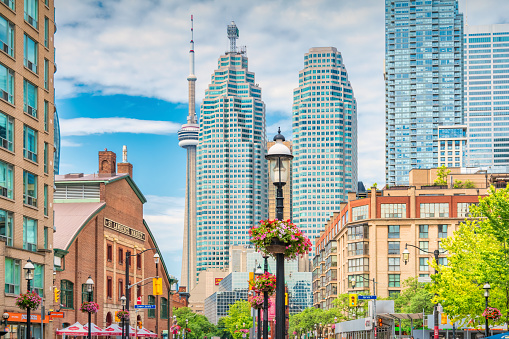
x=365 y=240
x=27 y=115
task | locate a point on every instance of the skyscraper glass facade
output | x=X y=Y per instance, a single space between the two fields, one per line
x=324 y=139
x=231 y=165
x=423 y=82
x=487 y=94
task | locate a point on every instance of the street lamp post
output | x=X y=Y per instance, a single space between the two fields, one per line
x=258 y=271
x=122 y=300
x=89 y=285
x=265 y=302
x=486 y=296
x=279 y=157
x=436 y=253
x=29 y=275
x=185 y=330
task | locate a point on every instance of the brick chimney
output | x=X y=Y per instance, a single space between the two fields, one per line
x=107 y=163
x=124 y=166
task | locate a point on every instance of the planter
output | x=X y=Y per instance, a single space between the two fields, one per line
x=30 y=300
x=277 y=246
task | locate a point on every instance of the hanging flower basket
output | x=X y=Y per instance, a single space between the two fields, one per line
x=174 y=329
x=257 y=302
x=264 y=283
x=123 y=315
x=188 y=330
x=279 y=236
x=492 y=313
x=30 y=300
x=89 y=307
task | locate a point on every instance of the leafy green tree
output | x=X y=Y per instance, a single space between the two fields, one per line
x=442 y=173
x=239 y=317
x=350 y=313
x=305 y=321
x=221 y=330
x=479 y=253
x=198 y=323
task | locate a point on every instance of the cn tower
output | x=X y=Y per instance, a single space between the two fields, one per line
x=188 y=139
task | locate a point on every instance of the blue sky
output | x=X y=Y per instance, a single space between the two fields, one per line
x=123 y=64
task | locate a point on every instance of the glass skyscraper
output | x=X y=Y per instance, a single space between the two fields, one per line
x=487 y=94
x=423 y=82
x=324 y=139
x=231 y=165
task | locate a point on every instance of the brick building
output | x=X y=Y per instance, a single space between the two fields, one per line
x=98 y=219
x=27 y=123
x=365 y=239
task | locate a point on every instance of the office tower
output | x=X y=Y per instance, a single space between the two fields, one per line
x=324 y=139
x=287 y=190
x=423 y=82
x=188 y=139
x=231 y=165
x=487 y=94
x=27 y=65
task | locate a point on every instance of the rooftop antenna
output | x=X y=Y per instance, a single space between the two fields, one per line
x=191 y=117
x=466 y=12
x=233 y=35
x=124 y=154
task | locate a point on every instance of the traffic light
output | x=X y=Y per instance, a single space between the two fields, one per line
x=157 y=286
x=443 y=319
x=353 y=299
x=286 y=299
x=380 y=322
x=56 y=293
x=140 y=324
x=117 y=319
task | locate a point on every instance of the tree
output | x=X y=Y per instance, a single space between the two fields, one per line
x=305 y=321
x=479 y=253
x=238 y=318
x=350 y=313
x=197 y=323
x=442 y=173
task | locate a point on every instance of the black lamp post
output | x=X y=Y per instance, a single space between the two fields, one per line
x=279 y=157
x=90 y=288
x=486 y=296
x=258 y=271
x=406 y=256
x=29 y=275
x=122 y=300
x=265 y=302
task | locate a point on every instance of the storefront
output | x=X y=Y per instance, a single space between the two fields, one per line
x=17 y=325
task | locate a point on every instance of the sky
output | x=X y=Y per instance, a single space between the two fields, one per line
x=122 y=67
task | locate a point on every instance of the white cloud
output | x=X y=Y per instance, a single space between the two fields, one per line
x=69 y=143
x=86 y=126
x=165 y=217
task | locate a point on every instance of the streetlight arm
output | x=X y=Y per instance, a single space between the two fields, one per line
x=129 y=254
x=420 y=249
x=139 y=282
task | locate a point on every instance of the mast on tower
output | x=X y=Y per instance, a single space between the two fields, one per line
x=233 y=35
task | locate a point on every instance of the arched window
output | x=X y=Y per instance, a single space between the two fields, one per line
x=108 y=319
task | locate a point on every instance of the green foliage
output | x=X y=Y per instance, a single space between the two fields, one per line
x=457 y=184
x=442 y=173
x=198 y=323
x=479 y=253
x=221 y=330
x=351 y=313
x=461 y=184
x=239 y=317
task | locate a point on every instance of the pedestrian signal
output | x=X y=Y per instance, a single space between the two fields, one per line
x=353 y=299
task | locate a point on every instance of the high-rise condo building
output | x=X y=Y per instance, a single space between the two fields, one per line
x=324 y=139
x=27 y=65
x=423 y=82
x=188 y=139
x=231 y=165
x=487 y=94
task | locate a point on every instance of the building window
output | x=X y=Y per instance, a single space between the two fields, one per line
x=46 y=200
x=66 y=294
x=358 y=248
x=12 y=276
x=464 y=209
x=393 y=247
x=46 y=149
x=38 y=281
x=138 y=261
x=393 y=210
x=30 y=98
x=442 y=261
x=46 y=74
x=120 y=256
x=120 y=289
x=29 y=234
x=358 y=264
x=6 y=227
x=423 y=231
x=29 y=189
x=423 y=264
x=151 y=301
x=6 y=84
x=109 y=288
x=434 y=210
x=164 y=308
x=361 y=280
x=7 y=36
x=394 y=280
x=109 y=253
x=393 y=231
x=46 y=32
x=358 y=232
x=46 y=111
x=359 y=213
x=6 y=134
x=30 y=54
x=6 y=180
x=442 y=231
x=31 y=11
x=29 y=143
x=424 y=248
x=394 y=264
x=46 y=238
x=393 y=294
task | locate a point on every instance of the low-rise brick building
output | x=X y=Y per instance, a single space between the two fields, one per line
x=99 y=219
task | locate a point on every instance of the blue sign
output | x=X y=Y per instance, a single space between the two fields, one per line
x=367 y=297
x=145 y=306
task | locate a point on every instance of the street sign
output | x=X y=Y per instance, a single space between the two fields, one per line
x=145 y=306
x=367 y=297
x=424 y=279
x=56 y=314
